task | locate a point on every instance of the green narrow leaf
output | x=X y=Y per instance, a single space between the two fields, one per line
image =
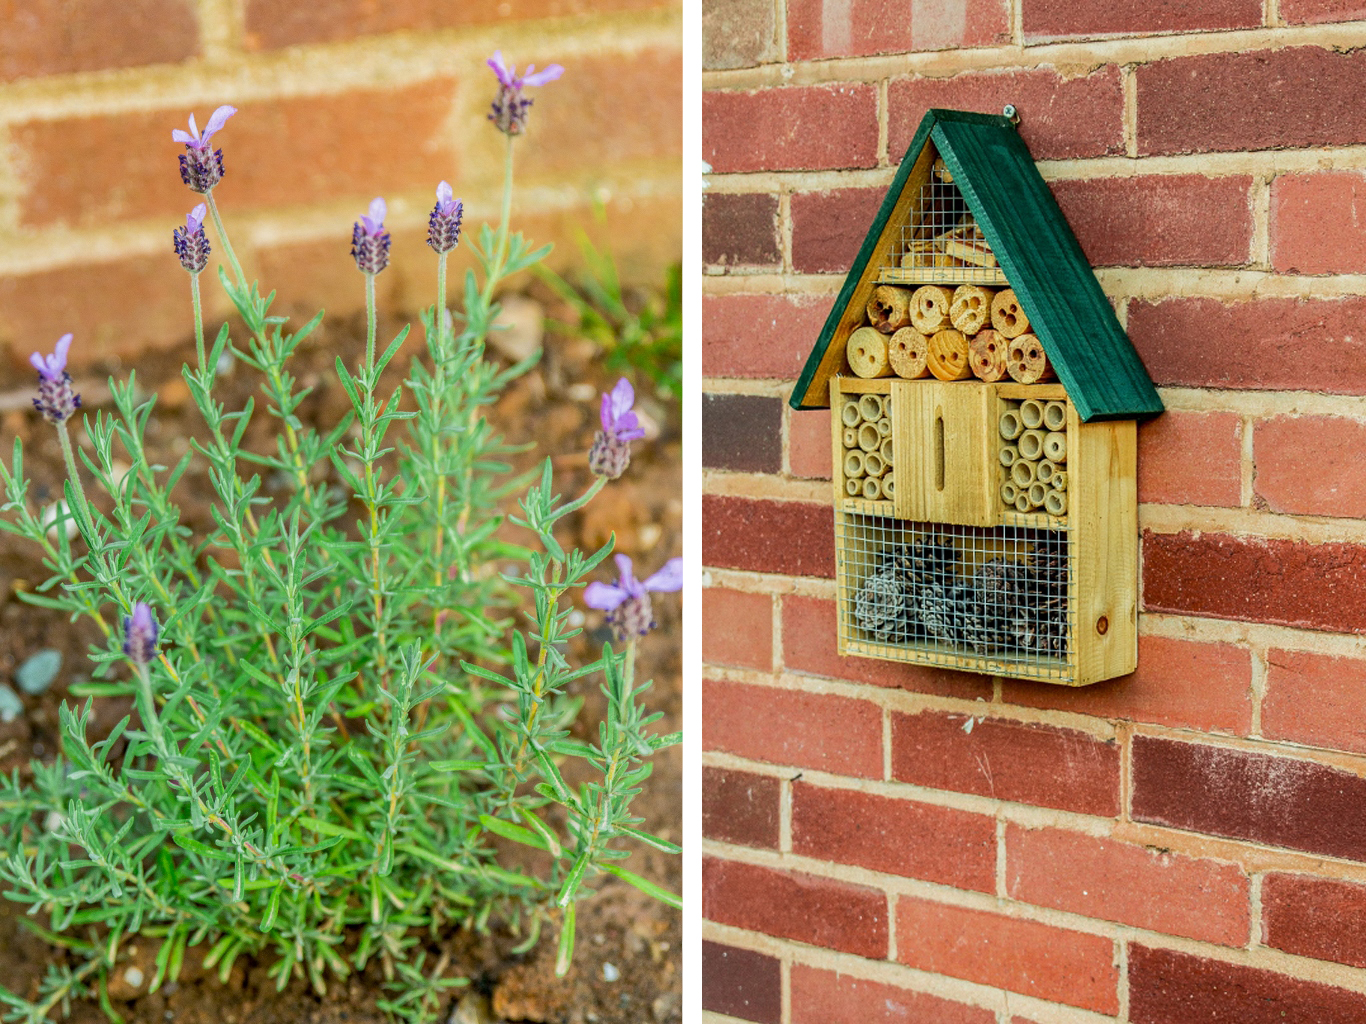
x=651 y=840
x=572 y=881
x=645 y=885
x=329 y=829
x=564 y=955
x=514 y=832
x=542 y=830
x=272 y=909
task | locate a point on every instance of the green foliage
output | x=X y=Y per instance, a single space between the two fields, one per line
x=346 y=711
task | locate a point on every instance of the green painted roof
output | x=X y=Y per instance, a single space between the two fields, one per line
x=1021 y=221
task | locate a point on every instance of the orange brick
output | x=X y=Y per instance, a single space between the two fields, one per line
x=1179 y=683
x=737 y=628
x=826 y=997
x=1114 y=881
x=1191 y=458
x=1316 y=223
x=1022 y=956
x=808 y=444
x=1311 y=465
x=51 y=37
x=1315 y=699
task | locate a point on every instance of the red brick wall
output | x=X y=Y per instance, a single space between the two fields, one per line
x=340 y=101
x=887 y=843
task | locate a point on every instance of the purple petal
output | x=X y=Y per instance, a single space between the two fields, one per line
x=541 y=78
x=669 y=578
x=39 y=363
x=194 y=129
x=627 y=580
x=444 y=194
x=605 y=414
x=195 y=218
x=623 y=397
x=633 y=434
x=59 y=354
x=603 y=596
x=507 y=76
x=627 y=422
x=377 y=212
x=217 y=120
x=184 y=137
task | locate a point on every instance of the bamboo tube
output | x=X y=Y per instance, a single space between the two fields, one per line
x=1026 y=362
x=1022 y=502
x=1006 y=314
x=853 y=464
x=1022 y=473
x=872 y=464
x=987 y=354
x=1038 y=494
x=853 y=487
x=868 y=438
x=872 y=488
x=948 y=355
x=884 y=426
x=1031 y=413
x=889 y=309
x=889 y=486
x=870 y=408
x=1009 y=492
x=1059 y=481
x=1009 y=455
x=867 y=353
x=850 y=415
x=906 y=351
x=886 y=451
x=930 y=308
x=1055 y=446
x=1011 y=427
x=971 y=308
x=1055 y=503
x=1031 y=444
x=1046 y=471
x=1055 y=415
x=850 y=437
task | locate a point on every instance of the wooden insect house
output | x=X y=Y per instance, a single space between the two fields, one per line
x=983 y=402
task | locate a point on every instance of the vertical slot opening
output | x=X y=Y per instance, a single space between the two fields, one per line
x=939 y=450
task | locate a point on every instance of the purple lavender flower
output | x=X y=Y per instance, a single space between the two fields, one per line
x=627 y=604
x=56 y=401
x=191 y=243
x=200 y=166
x=140 y=634
x=369 y=240
x=443 y=226
x=611 y=451
x=509 y=106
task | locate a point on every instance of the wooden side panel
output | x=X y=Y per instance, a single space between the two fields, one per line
x=1102 y=469
x=944 y=443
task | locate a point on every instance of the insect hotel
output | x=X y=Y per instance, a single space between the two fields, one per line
x=983 y=402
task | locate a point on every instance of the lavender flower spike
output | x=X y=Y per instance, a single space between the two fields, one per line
x=611 y=451
x=140 y=635
x=201 y=167
x=627 y=604
x=509 y=106
x=443 y=226
x=191 y=243
x=56 y=401
x=369 y=240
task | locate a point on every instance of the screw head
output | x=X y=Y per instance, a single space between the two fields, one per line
x=1009 y=112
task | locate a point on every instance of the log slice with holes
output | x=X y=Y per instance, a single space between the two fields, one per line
x=1026 y=362
x=867 y=353
x=987 y=355
x=889 y=309
x=907 y=351
x=1006 y=314
x=930 y=308
x=948 y=355
x=971 y=308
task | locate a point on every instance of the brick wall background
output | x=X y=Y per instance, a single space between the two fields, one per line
x=340 y=101
x=886 y=843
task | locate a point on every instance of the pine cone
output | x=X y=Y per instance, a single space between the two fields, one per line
x=880 y=604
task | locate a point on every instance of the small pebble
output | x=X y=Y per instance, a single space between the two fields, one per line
x=134 y=977
x=37 y=673
x=665 y=1007
x=50 y=516
x=53 y=821
x=610 y=972
x=11 y=707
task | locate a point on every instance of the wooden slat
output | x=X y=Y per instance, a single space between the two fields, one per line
x=944 y=446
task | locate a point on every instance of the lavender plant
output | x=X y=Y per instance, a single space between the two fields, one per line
x=340 y=702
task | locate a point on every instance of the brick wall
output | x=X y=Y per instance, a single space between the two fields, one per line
x=340 y=101
x=889 y=843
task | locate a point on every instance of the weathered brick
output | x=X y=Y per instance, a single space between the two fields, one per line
x=54 y=37
x=738 y=34
x=828 y=997
x=737 y=628
x=1316 y=223
x=1179 y=683
x=1191 y=458
x=1167 y=987
x=742 y=433
x=759 y=336
x=275 y=23
x=1007 y=760
x=831 y=28
x=1061 y=117
x=1272 y=344
x=809 y=646
x=1323 y=918
x=807 y=730
x=1160 y=220
x=1256 y=579
x=809 y=452
x=1300 y=12
x=1306 y=96
x=794 y=538
x=740 y=230
x=788 y=905
x=1046 y=20
x=900 y=837
x=828 y=228
x=1279 y=801
x=740 y=807
x=1315 y=699
x=795 y=128
x=741 y=983
x=1033 y=959
x=1115 y=881
x=1311 y=465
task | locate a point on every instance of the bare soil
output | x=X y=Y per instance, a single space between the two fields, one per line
x=622 y=935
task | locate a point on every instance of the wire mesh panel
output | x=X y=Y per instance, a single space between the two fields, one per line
x=941 y=242
x=996 y=600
